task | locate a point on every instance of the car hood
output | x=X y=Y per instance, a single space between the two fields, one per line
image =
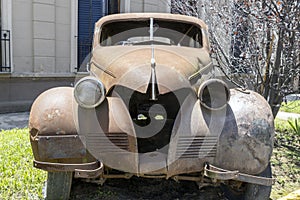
x=130 y=66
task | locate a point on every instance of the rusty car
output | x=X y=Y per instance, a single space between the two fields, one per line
x=153 y=106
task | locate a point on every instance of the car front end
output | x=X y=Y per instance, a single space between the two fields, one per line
x=153 y=107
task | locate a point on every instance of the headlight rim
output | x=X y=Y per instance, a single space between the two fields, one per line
x=99 y=84
x=205 y=84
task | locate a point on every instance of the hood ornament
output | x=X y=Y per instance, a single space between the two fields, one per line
x=153 y=64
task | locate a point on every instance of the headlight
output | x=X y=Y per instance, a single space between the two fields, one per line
x=214 y=94
x=89 y=92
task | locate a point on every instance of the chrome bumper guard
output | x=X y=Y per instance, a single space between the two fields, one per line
x=84 y=170
x=222 y=174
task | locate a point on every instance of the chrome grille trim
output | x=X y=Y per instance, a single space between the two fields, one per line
x=108 y=143
x=196 y=146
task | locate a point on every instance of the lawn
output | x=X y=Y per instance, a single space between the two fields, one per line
x=285 y=160
x=291 y=107
x=19 y=180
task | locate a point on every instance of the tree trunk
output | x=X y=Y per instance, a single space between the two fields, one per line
x=275 y=98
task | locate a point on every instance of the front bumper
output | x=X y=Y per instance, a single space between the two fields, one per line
x=58 y=147
x=222 y=174
x=83 y=170
x=95 y=170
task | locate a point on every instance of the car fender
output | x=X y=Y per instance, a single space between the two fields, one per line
x=247 y=139
x=52 y=128
x=237 y=137
x=52 y=113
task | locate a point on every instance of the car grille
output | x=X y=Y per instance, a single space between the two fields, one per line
x=196 y=146
x=108 y=143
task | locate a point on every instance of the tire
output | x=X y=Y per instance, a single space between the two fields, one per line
x=251 y=191
x=58 y=186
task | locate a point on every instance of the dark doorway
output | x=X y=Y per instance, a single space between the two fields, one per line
x=0 y=38
x=114 y=6
x=89 y=12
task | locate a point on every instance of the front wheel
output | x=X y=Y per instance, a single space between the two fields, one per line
x=58 y=186
x=250 y=191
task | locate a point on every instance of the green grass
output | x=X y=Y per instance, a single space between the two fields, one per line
x=285 y=160
x=283 y=126
x=291 y=107
x=295 y=124
x=19 y=179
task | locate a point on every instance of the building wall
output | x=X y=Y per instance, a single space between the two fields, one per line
x=22 y=35
x=41 y=36
x=41 y=50
x=17 y=93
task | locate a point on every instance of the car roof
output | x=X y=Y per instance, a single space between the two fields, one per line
x=143 y=16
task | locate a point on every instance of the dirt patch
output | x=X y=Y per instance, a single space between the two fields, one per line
x=141 y=188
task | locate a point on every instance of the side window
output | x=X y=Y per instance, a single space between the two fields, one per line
x=197 y=41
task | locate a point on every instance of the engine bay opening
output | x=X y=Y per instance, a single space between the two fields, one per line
x=153 y=119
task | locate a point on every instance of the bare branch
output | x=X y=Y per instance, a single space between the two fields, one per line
x=252 y=38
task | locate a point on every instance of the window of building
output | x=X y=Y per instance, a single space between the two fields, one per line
x=5 y=36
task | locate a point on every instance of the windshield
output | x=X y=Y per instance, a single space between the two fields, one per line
x=138 y=33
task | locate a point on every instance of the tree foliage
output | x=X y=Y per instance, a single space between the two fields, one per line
x=256 y=44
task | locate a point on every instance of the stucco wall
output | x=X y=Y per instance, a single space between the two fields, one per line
x=17 y=93
x=41 y=36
